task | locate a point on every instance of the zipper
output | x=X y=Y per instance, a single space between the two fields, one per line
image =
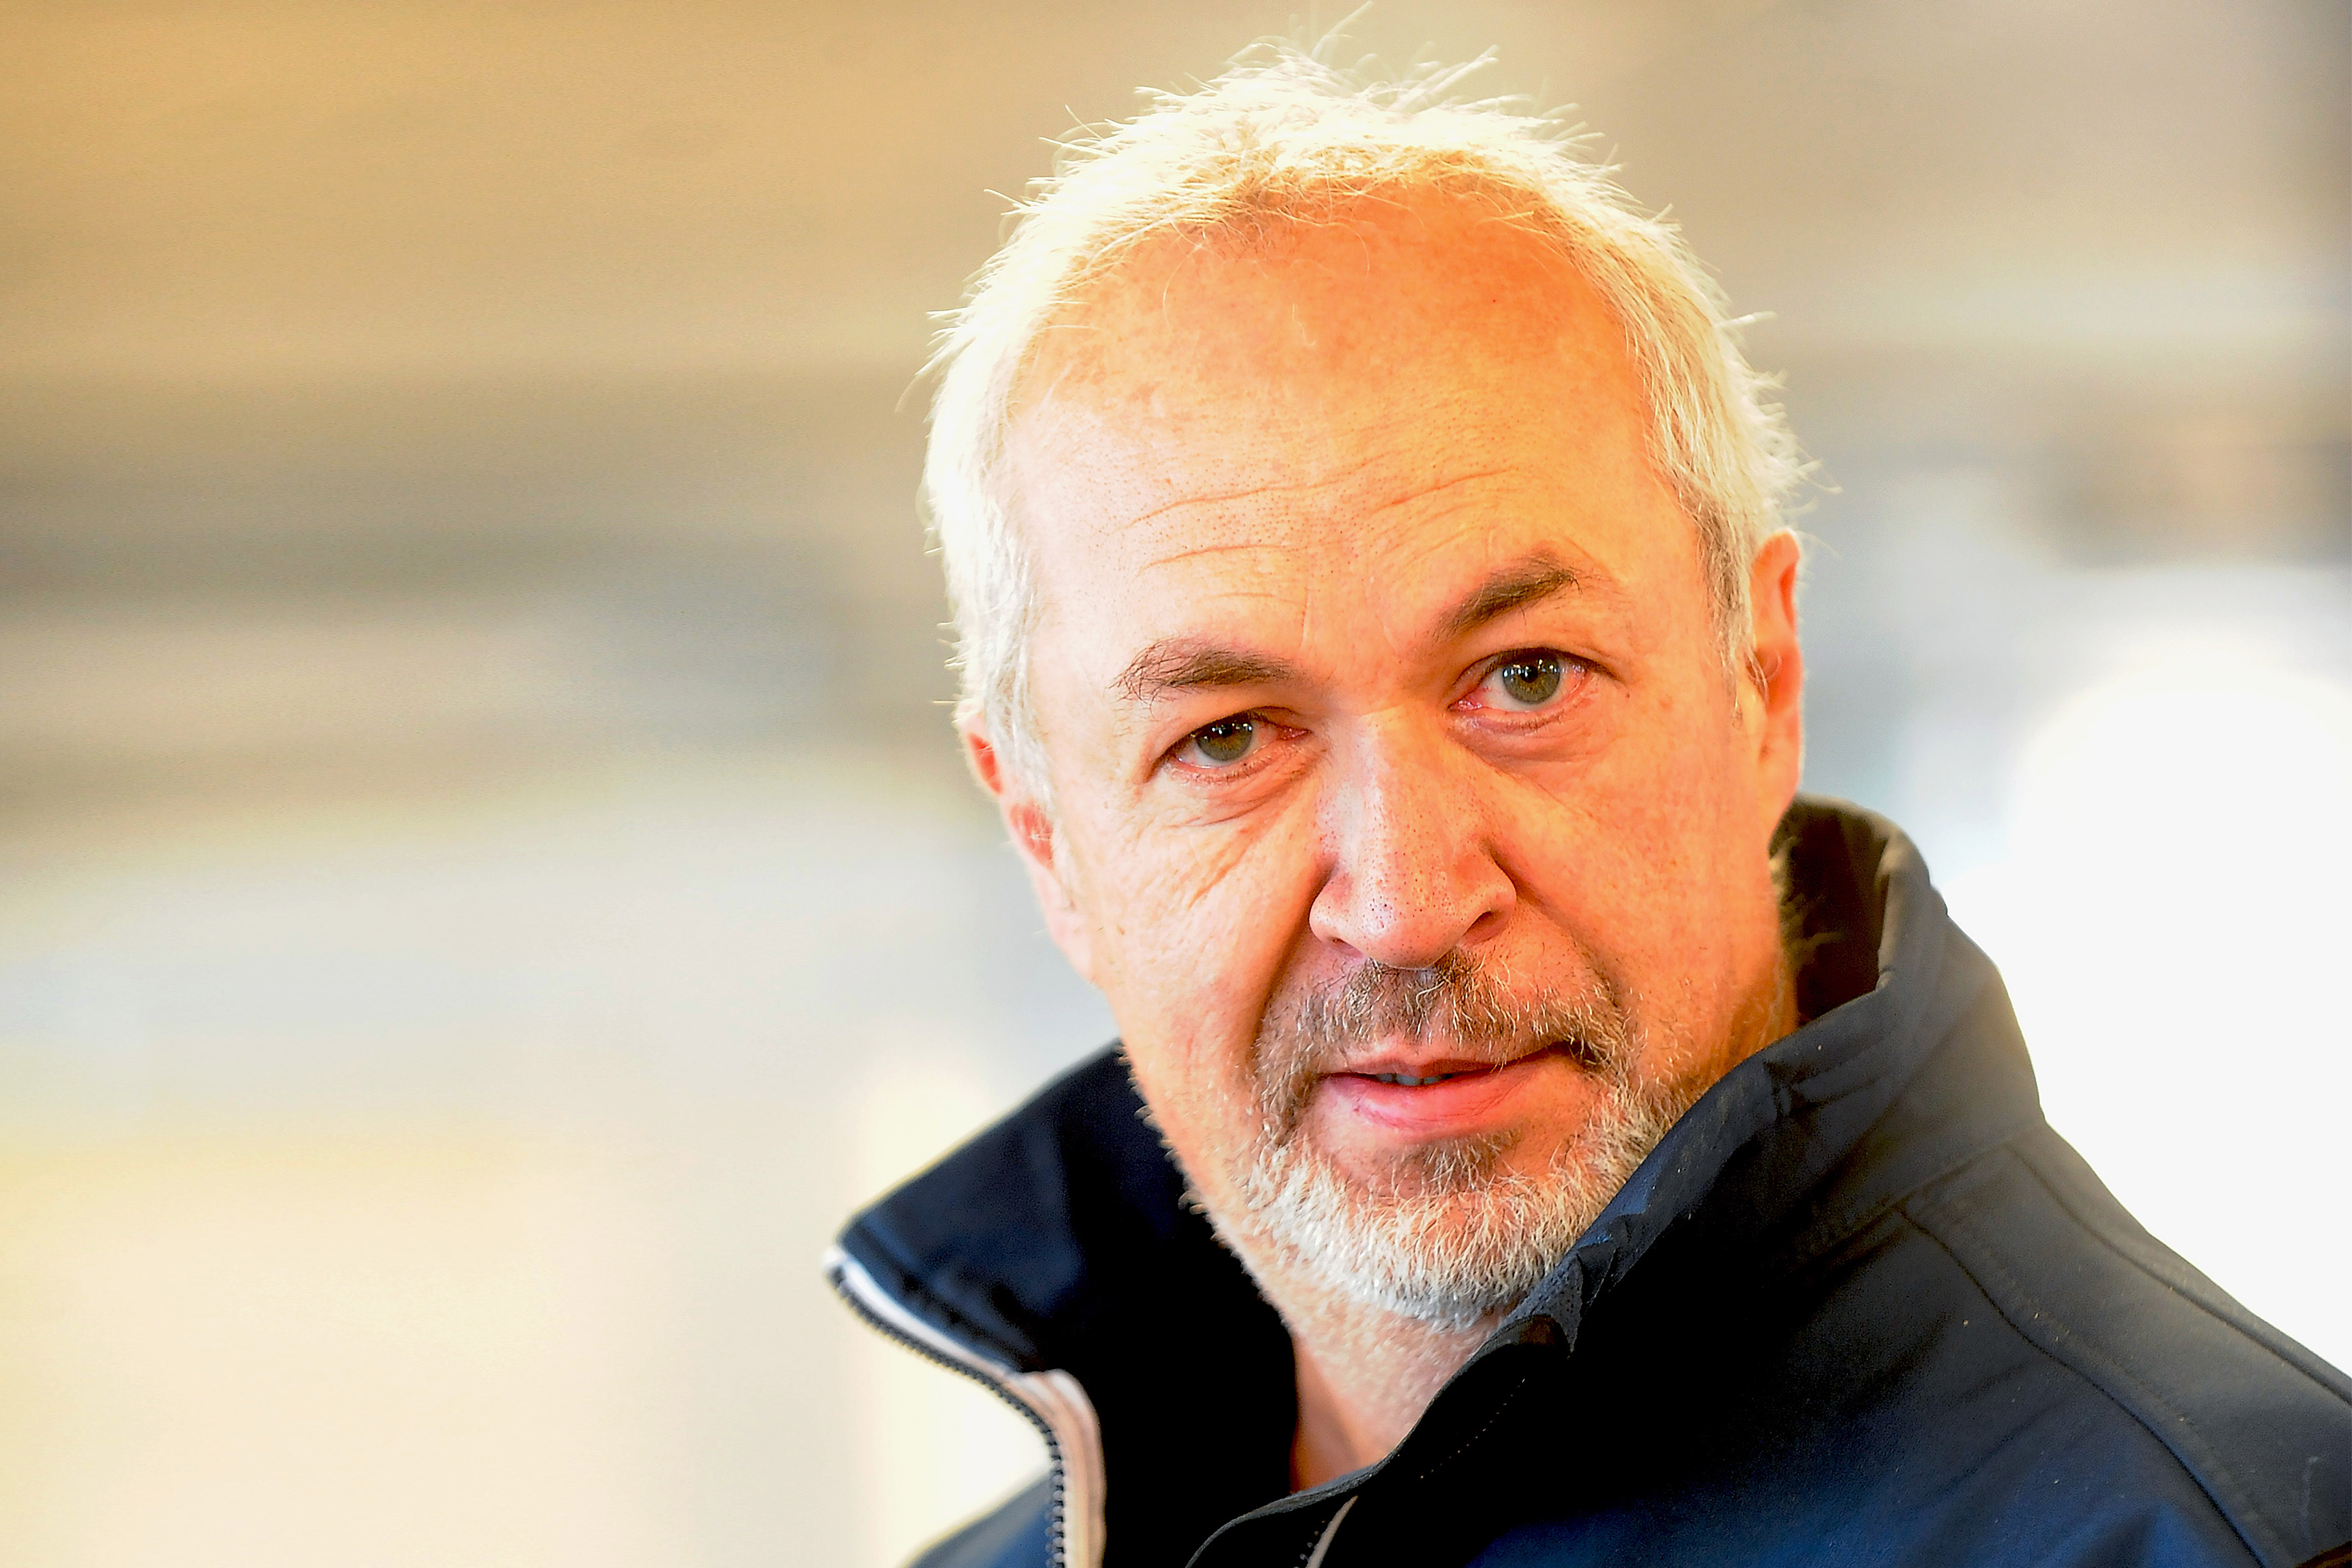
x=1320 y=1547
x=1040 y=1397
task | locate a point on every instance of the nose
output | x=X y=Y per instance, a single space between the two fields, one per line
x=1412 y=871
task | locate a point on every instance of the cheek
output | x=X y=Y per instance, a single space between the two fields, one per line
x=1190 y=929
x=1632 y=855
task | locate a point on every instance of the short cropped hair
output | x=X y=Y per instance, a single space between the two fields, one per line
x=1286 y=137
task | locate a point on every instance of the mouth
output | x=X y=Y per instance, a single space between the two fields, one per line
x=1423 y=1075
x=1397 y=1097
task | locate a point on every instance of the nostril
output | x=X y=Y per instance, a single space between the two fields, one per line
x=1486 y=925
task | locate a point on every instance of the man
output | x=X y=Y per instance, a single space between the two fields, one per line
x=1539 y=1136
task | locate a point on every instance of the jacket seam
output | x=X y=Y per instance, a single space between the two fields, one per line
x=2197 y=1297
x=1493 y=1415
x=2209 y=1472
x=1832 y=1229
x=1823 y=1239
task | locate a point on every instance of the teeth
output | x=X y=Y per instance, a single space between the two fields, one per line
x=1408 y=1081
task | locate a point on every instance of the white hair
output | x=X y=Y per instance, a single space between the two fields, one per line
x=1283 y=137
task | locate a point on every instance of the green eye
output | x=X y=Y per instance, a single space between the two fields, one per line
x=1225 y=742
x=1531 y=679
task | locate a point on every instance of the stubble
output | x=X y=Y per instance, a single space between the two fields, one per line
x=1452 y=1232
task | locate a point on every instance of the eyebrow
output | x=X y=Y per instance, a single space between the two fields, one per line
x=1183 y=664
x=1187 y=664
x=1515 y=587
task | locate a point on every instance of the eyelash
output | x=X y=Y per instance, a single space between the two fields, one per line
x=1569 y=668
x=1226 y=770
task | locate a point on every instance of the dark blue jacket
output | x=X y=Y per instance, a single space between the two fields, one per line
x=1861 y=1305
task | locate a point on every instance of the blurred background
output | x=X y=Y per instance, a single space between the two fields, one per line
x=485 y=881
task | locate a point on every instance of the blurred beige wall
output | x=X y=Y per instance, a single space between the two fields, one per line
x=485 y=885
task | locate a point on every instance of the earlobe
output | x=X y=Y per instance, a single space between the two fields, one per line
x=1031 y=829
x=1778 y=662
x=1032 y=835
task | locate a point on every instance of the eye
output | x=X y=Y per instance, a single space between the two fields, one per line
x=1525 y=680
x=1221 y=745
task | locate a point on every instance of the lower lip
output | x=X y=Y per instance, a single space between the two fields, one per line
x=1456 y=1107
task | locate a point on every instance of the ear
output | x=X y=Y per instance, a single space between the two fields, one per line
x=1032 y=831
x=1777 y=671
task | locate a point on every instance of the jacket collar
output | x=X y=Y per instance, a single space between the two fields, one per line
x=1887 y=979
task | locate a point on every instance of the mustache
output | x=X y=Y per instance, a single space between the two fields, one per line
x=1480 y=1015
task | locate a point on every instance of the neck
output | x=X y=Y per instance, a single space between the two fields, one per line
x=1364 y=1377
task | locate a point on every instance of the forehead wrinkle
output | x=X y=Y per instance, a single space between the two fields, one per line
x=1435 y=489
x=1252 y=492
x=1409 y=497
x=1198 y=550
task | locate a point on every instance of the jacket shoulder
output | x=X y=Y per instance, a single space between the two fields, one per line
x=1017 y=1535
x=2263 y=1425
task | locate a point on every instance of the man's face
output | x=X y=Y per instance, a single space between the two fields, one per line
x=1402 y=805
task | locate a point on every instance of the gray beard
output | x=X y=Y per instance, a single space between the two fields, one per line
x=1451 y=1235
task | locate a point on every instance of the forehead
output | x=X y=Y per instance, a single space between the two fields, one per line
x=1343 y=318
x=1366 y=406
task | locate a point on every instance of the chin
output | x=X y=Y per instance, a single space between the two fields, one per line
x=1438 y=1168
x=1445 y=1232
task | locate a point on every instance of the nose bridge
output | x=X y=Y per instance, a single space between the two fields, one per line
x=1413 y=874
